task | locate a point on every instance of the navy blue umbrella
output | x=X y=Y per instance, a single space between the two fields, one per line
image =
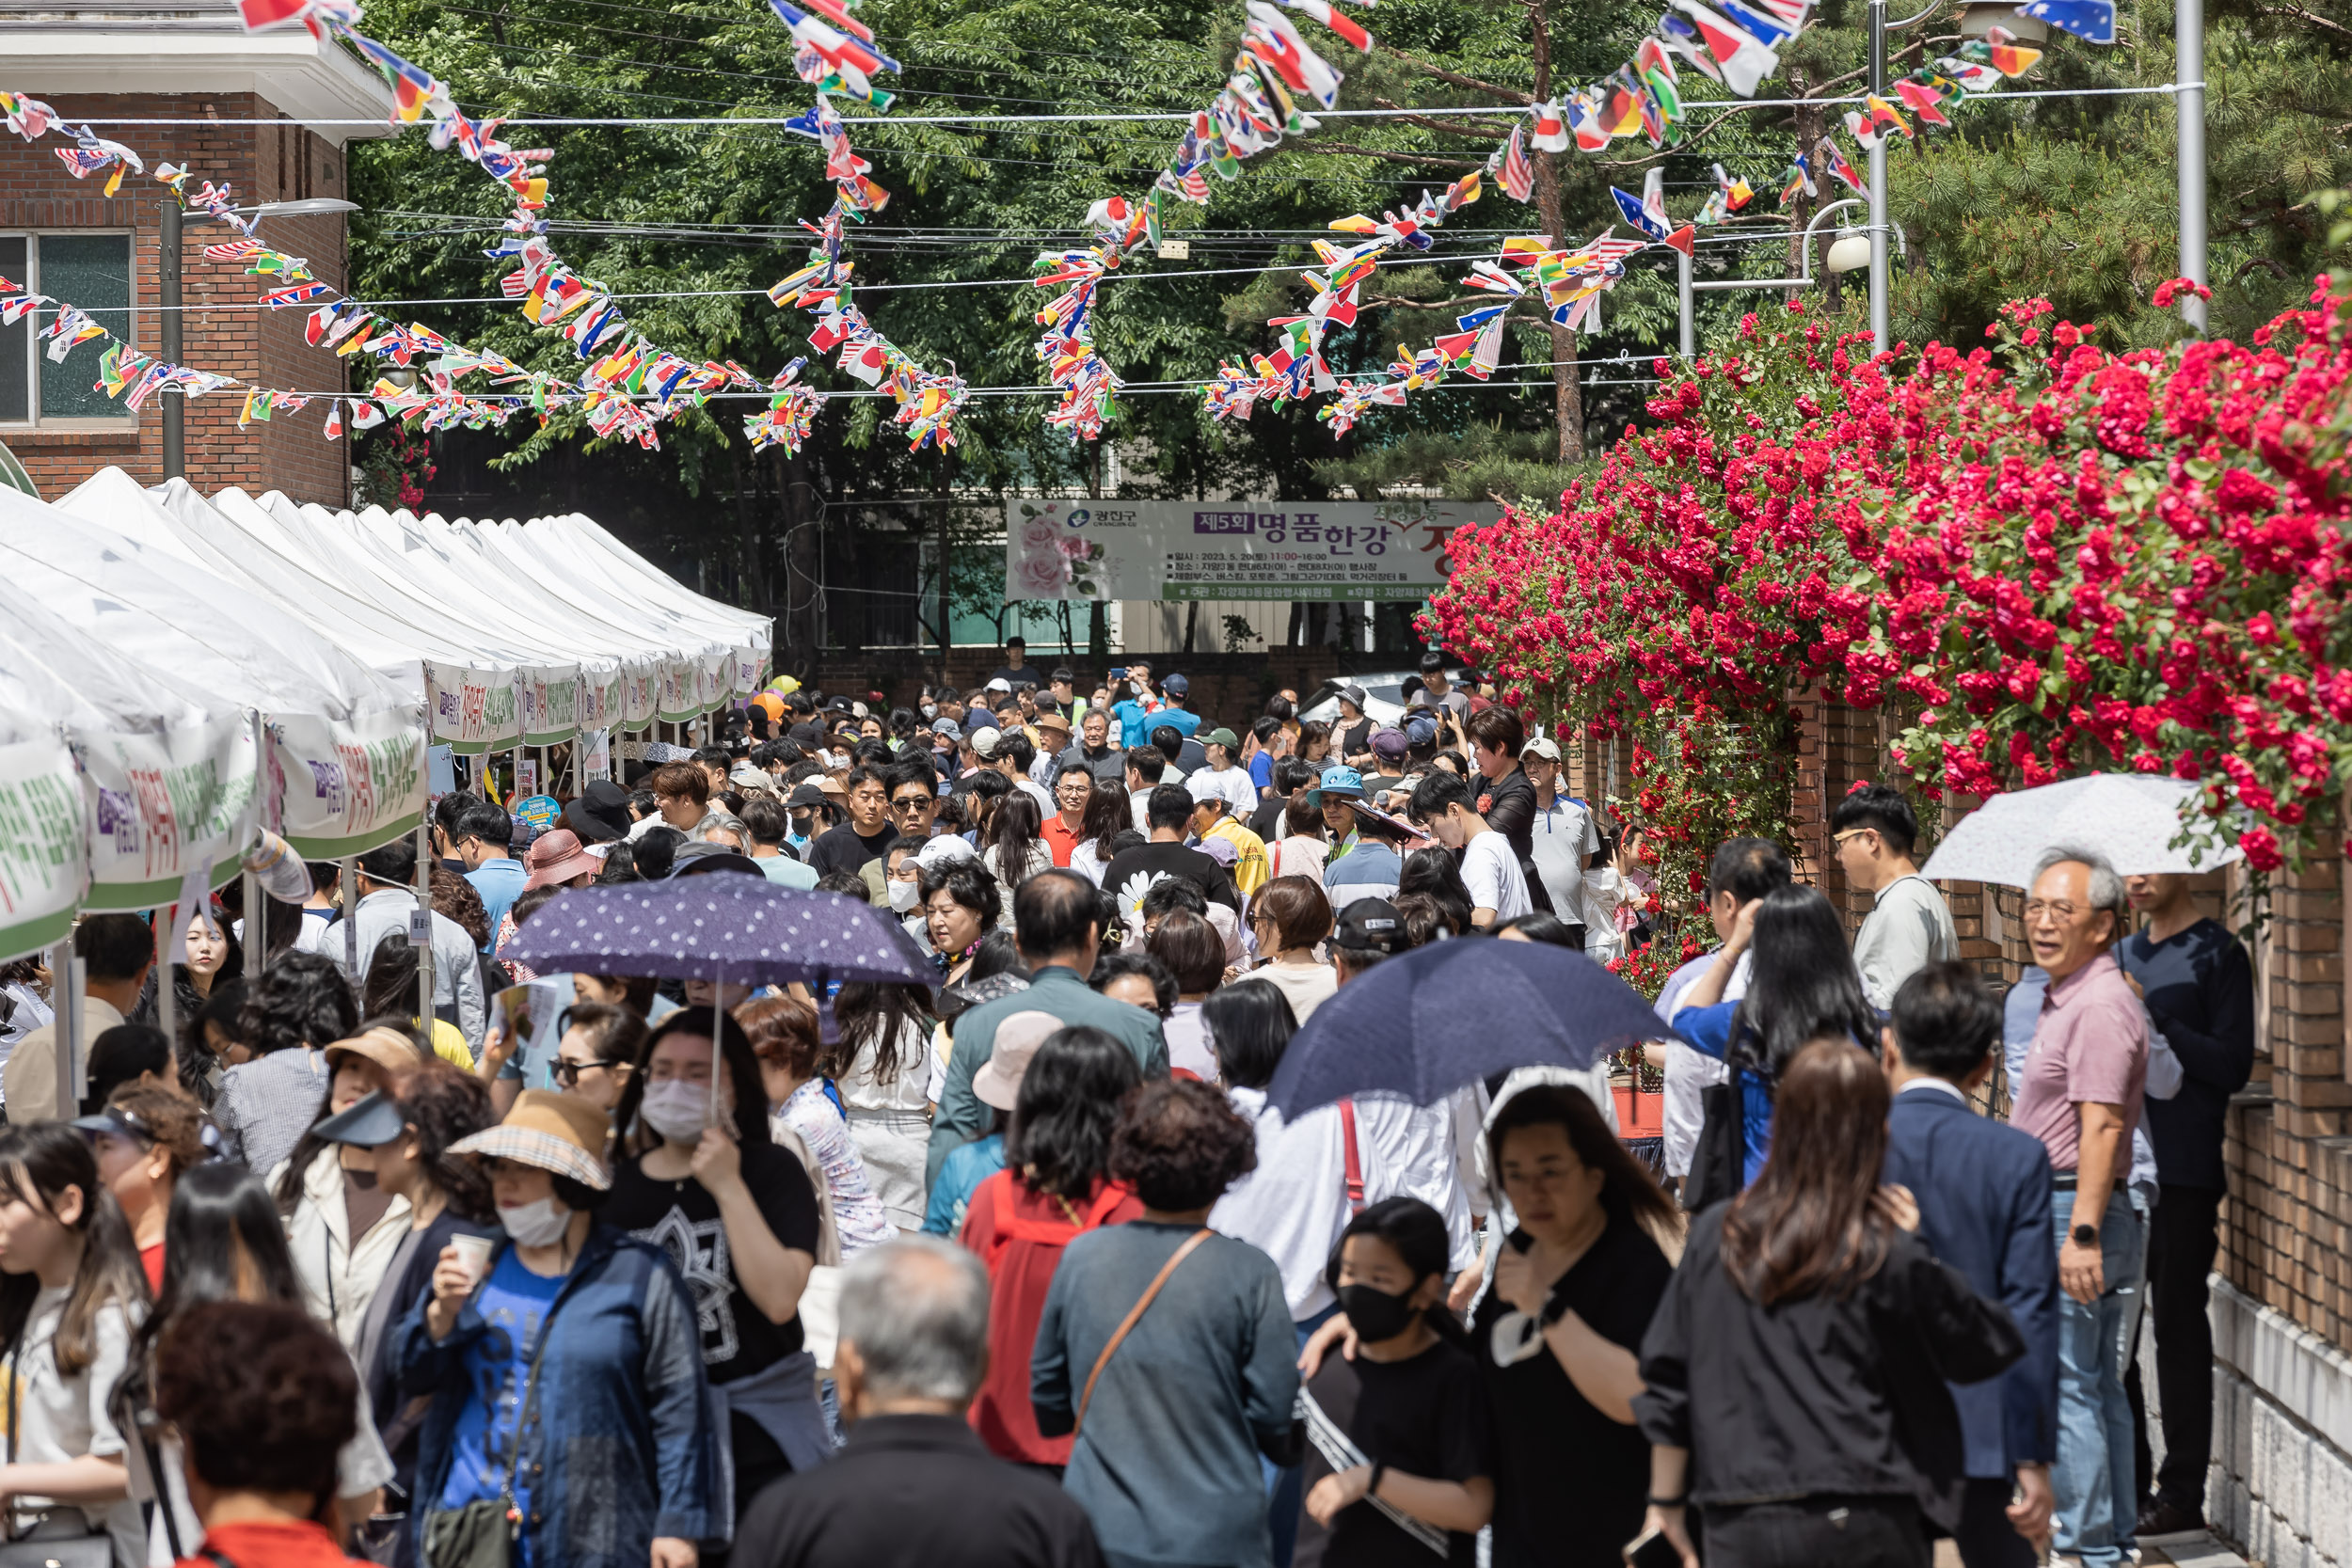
x=744 y=929
x=1426 y=1022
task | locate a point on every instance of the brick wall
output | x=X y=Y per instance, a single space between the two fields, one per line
x=2283 y=1429
x=266 y=347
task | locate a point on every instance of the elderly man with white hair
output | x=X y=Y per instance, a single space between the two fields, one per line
x=2081 y=1095
x=913 y=1484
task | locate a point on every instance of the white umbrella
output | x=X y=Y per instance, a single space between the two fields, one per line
x=2130 y=819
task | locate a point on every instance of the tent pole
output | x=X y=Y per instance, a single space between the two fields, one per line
x=425 y=949
x=70 y=1084
x=256 y=914
x=166 y=1002
x=351 y=918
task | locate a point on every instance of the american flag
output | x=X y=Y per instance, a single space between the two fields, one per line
x=1519 y=175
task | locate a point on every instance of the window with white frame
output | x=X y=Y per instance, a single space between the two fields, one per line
x=90 y=271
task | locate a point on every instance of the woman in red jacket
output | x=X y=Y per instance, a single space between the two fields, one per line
x=1064 y=1089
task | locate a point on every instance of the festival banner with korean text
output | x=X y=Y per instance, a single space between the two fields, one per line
x=347 y=787
x=45 y=862
x=163 y=805
x=1261 y=550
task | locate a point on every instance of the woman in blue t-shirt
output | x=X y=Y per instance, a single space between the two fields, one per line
x=1801 y=987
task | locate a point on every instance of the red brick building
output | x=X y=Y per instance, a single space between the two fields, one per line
x=185 y=61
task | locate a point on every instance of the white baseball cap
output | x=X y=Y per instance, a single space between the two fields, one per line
x=1542 y=746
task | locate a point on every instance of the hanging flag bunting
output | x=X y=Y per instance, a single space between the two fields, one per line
x=2094 y=20
x=1833 y=162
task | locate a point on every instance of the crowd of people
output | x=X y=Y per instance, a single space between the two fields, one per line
x=1022 y=1266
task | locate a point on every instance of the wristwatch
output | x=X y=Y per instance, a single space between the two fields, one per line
x=2086 y=1235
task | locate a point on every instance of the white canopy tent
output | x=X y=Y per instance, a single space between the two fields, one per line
x=347 y=767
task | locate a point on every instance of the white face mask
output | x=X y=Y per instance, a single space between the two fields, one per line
x=676 y=1109
x=931 y=710
x=903 y=897
x=538 y=1223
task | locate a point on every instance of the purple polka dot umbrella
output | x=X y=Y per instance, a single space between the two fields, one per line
x=744 y=929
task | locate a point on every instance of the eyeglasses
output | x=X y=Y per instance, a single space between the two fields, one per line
x=912 y=802
x=568 y=1073
x=1849 y=832
x=2057 y=909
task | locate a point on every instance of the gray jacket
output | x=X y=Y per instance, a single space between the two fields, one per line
x=456 y=972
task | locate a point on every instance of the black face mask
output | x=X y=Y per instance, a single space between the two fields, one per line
x=1375 y=1315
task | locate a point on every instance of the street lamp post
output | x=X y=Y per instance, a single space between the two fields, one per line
x=2189 y=106
x=1879 y=337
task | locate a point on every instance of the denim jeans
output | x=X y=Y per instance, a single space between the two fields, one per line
x=2097 y=1492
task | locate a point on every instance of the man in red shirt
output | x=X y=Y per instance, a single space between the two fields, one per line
x=1073 y=787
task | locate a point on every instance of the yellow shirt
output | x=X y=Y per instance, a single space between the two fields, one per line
x=1249 y=862
x=449 y=1044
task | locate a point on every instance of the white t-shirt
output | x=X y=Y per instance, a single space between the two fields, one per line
x=1566 y=841
x=1491 y=872
x=1688 y=1071
x=1188 y=1043
x=1233 y=786
x=60 y=1418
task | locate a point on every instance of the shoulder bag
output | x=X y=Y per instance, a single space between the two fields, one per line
x=1118 y=1335
x=1716 y=1160
x=483 y=1533
x=42 y=1546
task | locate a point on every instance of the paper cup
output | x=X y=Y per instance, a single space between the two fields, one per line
x=474 y=1252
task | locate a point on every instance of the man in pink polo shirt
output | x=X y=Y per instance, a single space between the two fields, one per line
x=2081 y=1096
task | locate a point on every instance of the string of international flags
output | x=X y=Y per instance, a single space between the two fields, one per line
x=631 y=385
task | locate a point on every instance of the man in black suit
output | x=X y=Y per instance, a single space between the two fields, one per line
x=1983 y=1190
x=913 y=1486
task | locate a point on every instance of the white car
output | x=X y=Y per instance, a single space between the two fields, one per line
x=1384 y=698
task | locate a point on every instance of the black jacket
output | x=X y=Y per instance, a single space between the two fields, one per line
x=1819 y=1396
x=918 y=1491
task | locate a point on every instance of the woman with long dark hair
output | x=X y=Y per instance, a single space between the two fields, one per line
x=222 y=1241
x=1399 y=1457
x=1803 y=987
x=697 y=1175
x=883 y=1070
x=1014 y=847
x=1435 y=874
x=1066 y=1086
x=69 y=1287
x=1802 y=1352
x=1107 y=816
x=390 y=992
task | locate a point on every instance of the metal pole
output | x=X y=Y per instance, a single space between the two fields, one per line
x=351 y=918
x=2188 y=105
x=73 y=1080
x=424 y=950
x=168 y=290
x=1684 y=302
x=256 y=915
x=1880 y=337
x=166 y=997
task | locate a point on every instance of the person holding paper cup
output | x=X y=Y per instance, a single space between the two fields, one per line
x=566 y=1384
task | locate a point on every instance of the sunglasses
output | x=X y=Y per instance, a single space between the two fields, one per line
x=567 y=1074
